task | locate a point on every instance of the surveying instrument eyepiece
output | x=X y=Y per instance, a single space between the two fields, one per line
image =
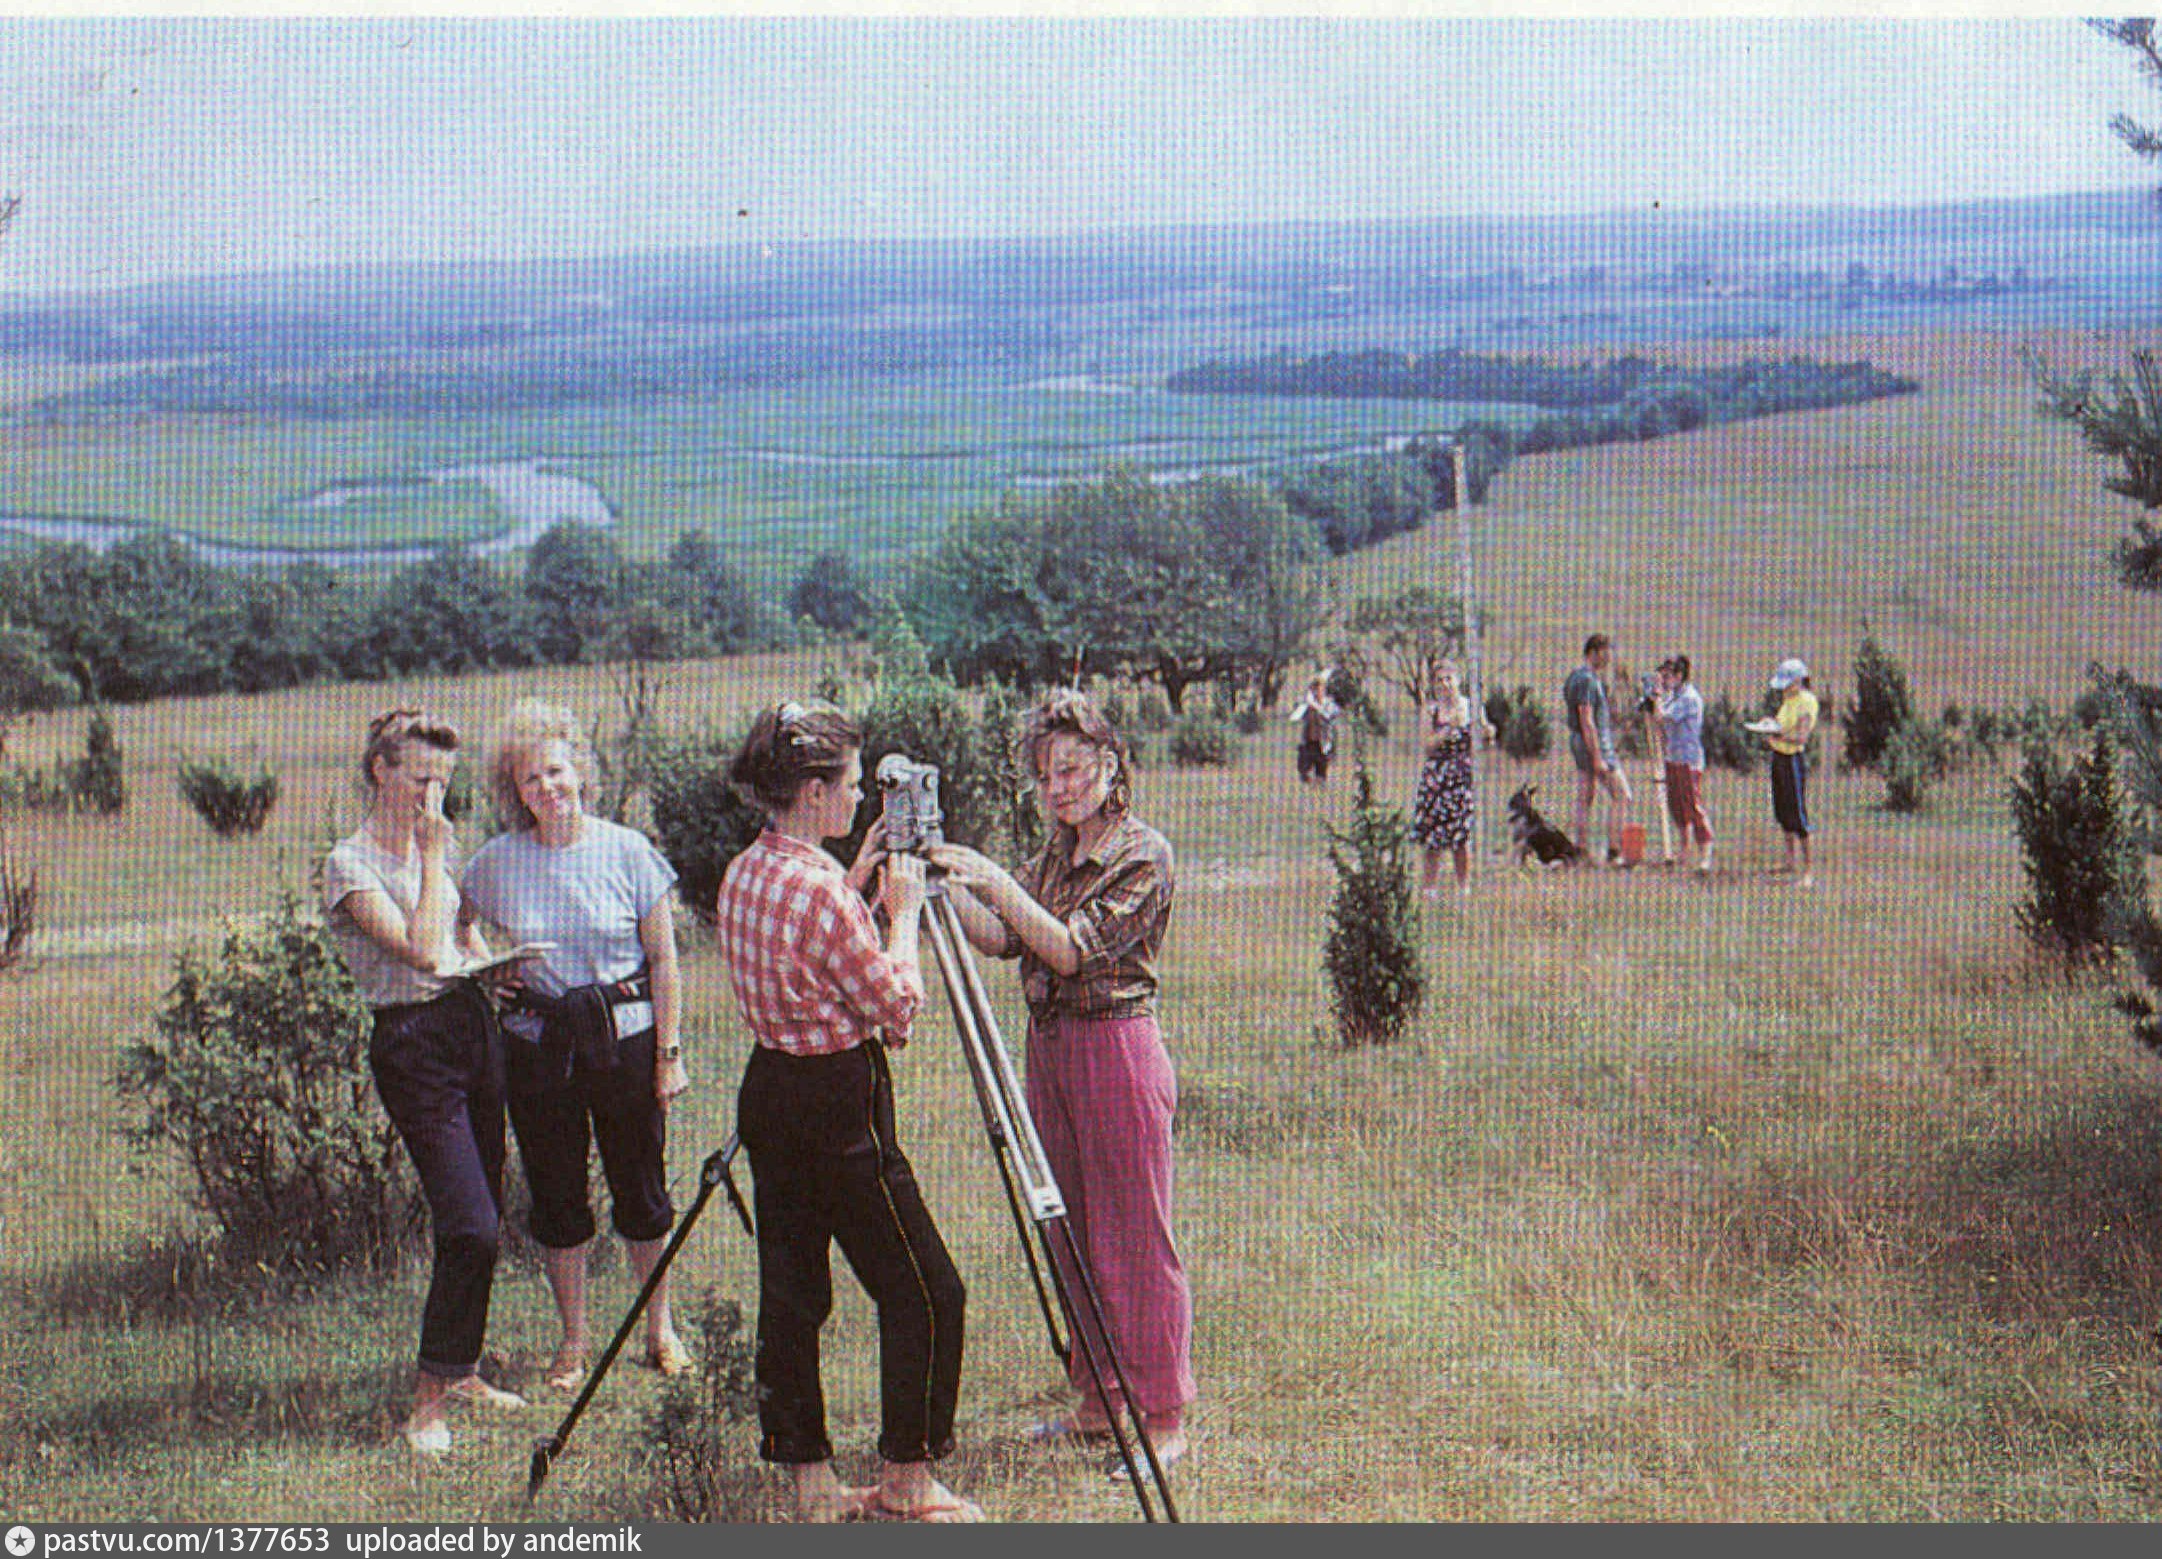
x=1032 y=1193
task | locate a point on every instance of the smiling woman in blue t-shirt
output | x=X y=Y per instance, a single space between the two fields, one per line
x=592 y=1050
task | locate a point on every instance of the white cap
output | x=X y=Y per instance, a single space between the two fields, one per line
x=1787 y=673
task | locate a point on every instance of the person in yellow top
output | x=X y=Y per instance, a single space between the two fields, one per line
x=1789 y=735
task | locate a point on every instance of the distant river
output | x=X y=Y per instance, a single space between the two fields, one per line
x=532 y=498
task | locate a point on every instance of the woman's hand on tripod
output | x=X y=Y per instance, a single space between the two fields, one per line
x=977 y=872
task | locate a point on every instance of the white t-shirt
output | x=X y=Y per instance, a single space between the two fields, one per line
x=357 y=863
x=586 y=897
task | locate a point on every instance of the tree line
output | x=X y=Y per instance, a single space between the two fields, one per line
x=150 y=618
x=1621 y=399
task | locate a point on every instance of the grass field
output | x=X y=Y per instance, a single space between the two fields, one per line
x=1686 y=1200
x=876 y=469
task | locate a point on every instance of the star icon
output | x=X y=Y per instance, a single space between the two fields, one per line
x=21 y=1540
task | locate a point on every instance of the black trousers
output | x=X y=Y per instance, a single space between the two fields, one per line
x=559 y=1118
x=827 y=1169
x=438 y=1069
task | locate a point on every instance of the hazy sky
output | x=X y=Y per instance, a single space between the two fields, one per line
x=153 y=147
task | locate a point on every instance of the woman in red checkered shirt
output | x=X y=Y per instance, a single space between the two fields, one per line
x=827 y=1002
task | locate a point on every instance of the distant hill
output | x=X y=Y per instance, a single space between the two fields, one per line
x=328 y=341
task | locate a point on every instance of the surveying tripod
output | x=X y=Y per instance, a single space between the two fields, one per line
x=1026 y=1175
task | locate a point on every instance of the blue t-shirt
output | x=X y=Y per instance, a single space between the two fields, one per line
x=587 y=898
x=1584 y=690
x=1682 y=716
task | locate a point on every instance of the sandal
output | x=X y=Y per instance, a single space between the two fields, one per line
x=1166 y=1458
x=943 y=1508
x=475 y=1392
x=1067 y=1429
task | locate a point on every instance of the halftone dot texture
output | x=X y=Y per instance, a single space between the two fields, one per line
x=1110 y=344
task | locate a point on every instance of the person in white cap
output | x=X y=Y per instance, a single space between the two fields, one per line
x=1789 y=734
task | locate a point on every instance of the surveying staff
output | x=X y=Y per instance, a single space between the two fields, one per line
x=1591 y=747
x=593 y=1049
x=1086 y=918
x=390 y=899
x=1791 y=729
x=1681 y=725
x=815 y=1113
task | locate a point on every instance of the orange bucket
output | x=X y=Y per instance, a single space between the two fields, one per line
x=1632 y=844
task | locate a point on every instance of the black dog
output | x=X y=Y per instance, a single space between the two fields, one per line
x=1531 y=834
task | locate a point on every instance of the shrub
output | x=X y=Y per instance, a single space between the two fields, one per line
x=1726 y=743
x=920 y=713
x=229 y=801
x=1201 y=739
x=1916 y=756
x=1153 y=713
x=1247 y=719
x=96 y=780
x=698 y=822
x=1881 y=705
x=2077 y=849
x=1520 y=725
x=691 y=1456
x=92 y=783
x=1371 y=953
x=257 y=1075
x=1347 y=685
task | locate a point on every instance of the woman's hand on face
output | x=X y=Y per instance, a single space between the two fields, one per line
x=432 y=831
x=669 y=1080
x=902 y=888
x=868 y=855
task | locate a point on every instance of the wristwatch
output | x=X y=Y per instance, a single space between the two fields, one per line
x=668 y=1052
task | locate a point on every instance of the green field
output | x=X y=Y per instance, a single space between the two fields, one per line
x=873 y=468
x=1686 y=1200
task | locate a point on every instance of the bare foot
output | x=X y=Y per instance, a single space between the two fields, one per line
x=908 y=1492
x=667 y=1354
x=567 y=1370
x=822 y=1497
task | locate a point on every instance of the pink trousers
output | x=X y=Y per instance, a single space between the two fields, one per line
x=1102 y=1094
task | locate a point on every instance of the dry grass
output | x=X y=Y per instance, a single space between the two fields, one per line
x=1687 y=1200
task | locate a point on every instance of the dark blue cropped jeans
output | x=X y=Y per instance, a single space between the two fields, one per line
x=438 y=1068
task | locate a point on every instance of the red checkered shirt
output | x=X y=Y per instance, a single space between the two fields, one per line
x=803 y=953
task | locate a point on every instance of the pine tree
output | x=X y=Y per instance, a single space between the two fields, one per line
x=2077 y=849
x=2122 y=422
x=1372 y=951
x=1881 y=704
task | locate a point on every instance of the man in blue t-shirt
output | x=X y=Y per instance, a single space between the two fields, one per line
x=1591 y=746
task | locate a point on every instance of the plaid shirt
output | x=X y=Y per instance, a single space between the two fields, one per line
x=1116 y=903
x=803 y=953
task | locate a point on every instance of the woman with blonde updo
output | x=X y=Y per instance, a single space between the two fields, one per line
x=390 y=898
x=593 y=1050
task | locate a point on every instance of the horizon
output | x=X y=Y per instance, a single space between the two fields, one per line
x=1738 y=211
x=388 y=142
